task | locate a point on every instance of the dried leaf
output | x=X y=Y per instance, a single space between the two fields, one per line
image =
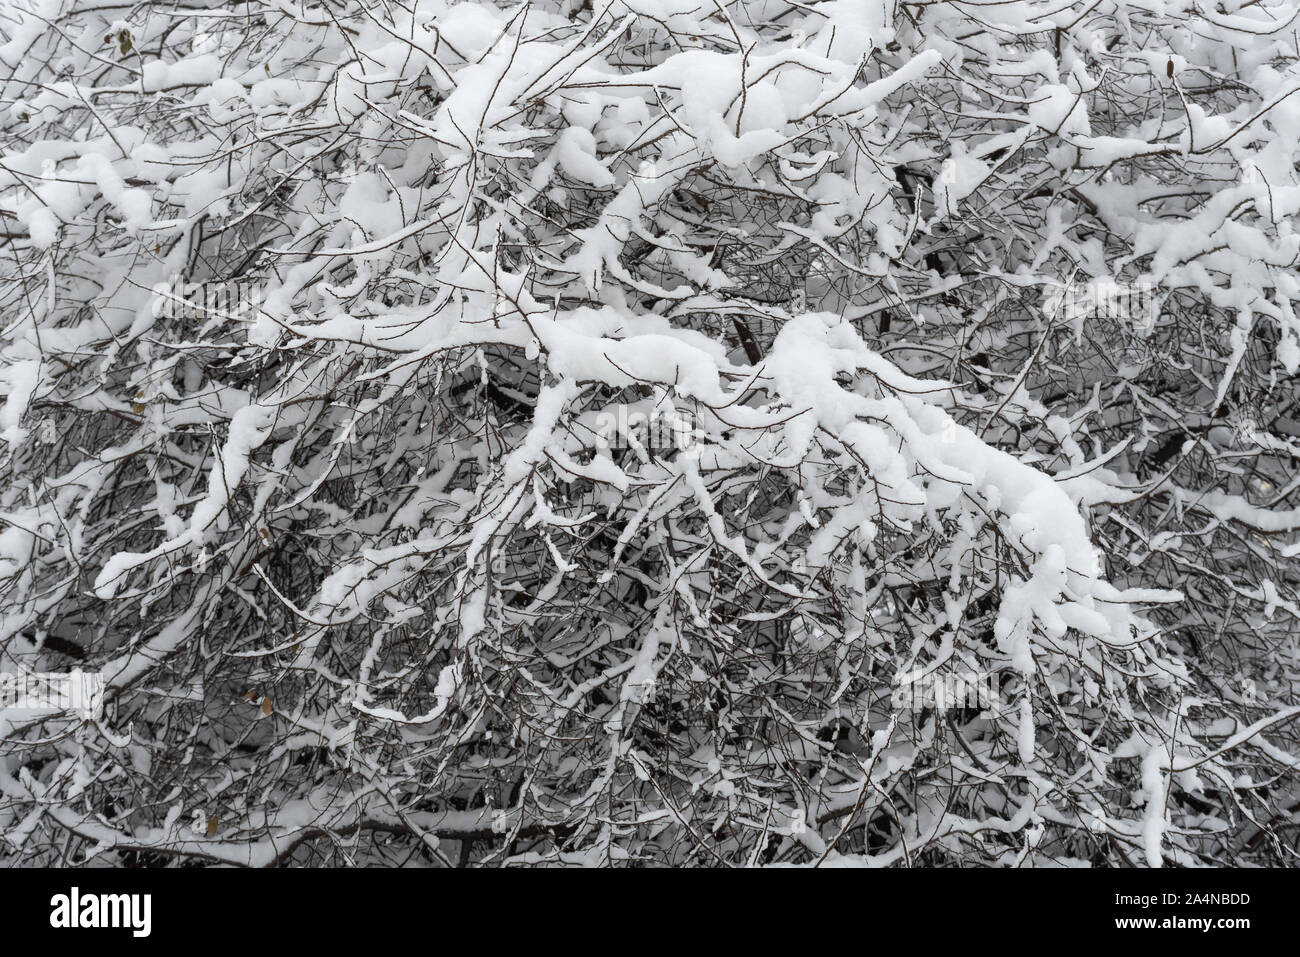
x=212 y=826
x=266 y=706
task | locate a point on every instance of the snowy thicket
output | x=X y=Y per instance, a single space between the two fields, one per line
x=384 y=559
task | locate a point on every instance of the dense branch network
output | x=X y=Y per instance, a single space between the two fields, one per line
x=572 y=432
